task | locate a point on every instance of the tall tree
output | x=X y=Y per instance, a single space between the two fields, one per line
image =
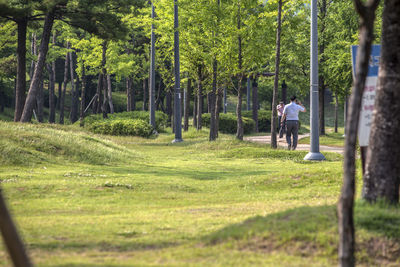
x=382 y=176
x=38 y=73
x=346 y=201
x=276 y=78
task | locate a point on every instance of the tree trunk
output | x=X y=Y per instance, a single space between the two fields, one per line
x=336 y=112
x=199 y=99
x=195 y=108
x=321 y=109
x=218 y=109
x=169 y=107
x=274 y=118
x=212 y=104
x=110 y=103
x=284 y=92
x=255 y=104
x=97 y=106
x=11 y=238
x=34 y=53
x=73 y=116
x=52 y=84
x=83 y=95
x=37 y=76
x=104 y=83
x=21 y=69
x=40 y=102
x=62 y=97
x=128 y=94
x=144 y=94
x=346 y=201
x=59 y=94
x=239 y=130
x=382 y=177
x=188 y=93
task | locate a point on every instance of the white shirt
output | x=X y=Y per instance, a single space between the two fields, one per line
x=292 y=111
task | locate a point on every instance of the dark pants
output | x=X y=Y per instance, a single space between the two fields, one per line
x=281 y=127
x=292 y=127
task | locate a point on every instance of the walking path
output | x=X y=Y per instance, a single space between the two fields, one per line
x=282 y=143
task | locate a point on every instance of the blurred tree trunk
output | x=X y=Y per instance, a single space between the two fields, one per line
x=382 y=177
x=37 y=76
x=218 y=109
x=346 y=201
x=195 y=111
x=239 y=130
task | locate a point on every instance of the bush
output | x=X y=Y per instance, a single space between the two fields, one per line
x=264 y=119
x=130 y=127
x=161 y=118
x=228 y=123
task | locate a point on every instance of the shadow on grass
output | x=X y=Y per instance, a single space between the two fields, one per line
x=312 y=231
x=103 y=245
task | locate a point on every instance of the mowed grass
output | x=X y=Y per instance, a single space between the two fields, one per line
x=329 y=139
x=148 y=202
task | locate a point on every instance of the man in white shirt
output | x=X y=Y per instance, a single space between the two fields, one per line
x=291 y=114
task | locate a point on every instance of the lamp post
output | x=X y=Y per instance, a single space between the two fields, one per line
x=177 y=96
x=314 y=153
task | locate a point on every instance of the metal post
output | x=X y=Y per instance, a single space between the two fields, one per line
x=177 y=97
x=314 y=153
x=152 y=87
x=248 y=94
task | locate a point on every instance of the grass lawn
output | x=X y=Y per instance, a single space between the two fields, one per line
x=329 y=139
x=88 y=200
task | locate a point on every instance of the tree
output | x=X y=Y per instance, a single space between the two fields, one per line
x=382 y=176
x=346 y=201
x=276 y=78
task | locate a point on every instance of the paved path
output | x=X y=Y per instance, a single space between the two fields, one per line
x=282 y=143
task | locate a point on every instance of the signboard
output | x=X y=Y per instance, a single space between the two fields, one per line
x=368 y=100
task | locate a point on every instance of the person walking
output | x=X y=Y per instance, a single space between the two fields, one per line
x=291 y=114
x=281 y=127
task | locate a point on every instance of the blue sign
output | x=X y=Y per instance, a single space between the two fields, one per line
x=373 y=60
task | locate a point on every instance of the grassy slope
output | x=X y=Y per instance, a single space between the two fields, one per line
x=190 y=204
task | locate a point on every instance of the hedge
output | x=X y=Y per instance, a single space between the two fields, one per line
x=228 y=123
x=264 y=119
x=161 y=118
x=131 y=127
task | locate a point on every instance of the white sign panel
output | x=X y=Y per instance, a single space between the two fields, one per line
x=368 y=100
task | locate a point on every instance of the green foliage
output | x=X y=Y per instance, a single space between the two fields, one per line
x=131 y=127
x=228 y=123
x=161 y=118
x=264 y=119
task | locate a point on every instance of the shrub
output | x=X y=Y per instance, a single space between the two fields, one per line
x=161 y=118
x=264 y=119
x=130 y=127
x=228 y=123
